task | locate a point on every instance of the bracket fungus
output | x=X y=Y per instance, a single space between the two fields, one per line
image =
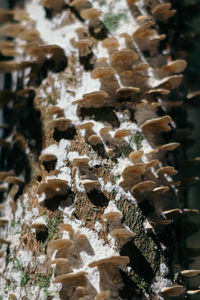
x=135 y=156
x=173 y=291
x=79 y=276
x=166 y=170
x=158 y=124
x=123 y=60
x=59 y=244
x=111 y=44
x=121 y=234
x=48 y=161
x=142 y=187
x=113 y=260
x=163 y=12
x=190 y=273
x=104 y=295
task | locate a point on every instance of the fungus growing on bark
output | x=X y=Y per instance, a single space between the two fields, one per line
x=11 y=66
x=142 y=187
x=78 y=4
x=55 y=110
x=4 y=241
x=121 y=233
x=63 y=128
x=81 y=162
x=12 y=297
x=30 y=35
x=59 y=244
x=144 y=31
x=158 y=124
x=84 y=47
x=111 y=44
x=167 y=170
x=3 y=221
x=135 y=155
x=79 y=276
x=41 y=231
x=5 y=15
x=190 y=273
x=193 y=292
x=54 y=5
x=14 y=180
x=4 y=174
x=173 y=291
x=94 y=140
x=168 y=147
x=113 y=260
x=123 y=60
x=112 y=216
x=137 y=169
x=93 y=99
x=48 y=161
x=7 y=48
x=170 y=82
x=126 y=92
x=12 y=30
x=162 y=12
x=103 y=73
x=62 y=266
x=121 y=133
x=176 y=66
x=152 y=163
x=90 y=185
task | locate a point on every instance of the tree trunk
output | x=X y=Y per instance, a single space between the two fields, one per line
x=90 y=200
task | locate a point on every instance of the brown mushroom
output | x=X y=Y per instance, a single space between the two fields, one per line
x=48 y=160
x=173 y=291
x=111 y=44
x=61 y=124
x=121 y=133
x=162 y=12
x=176 y=66
x=114 y=260
x=190 y=273
x=52 y=4
x=143 y=187
x=94 y=140
x=136 y=155
x=125 y=92
x=103 y=73
x=161 y=189
x=14 y=180
x=65 y=277
x=90 y=185
x=93 y=99
x=193 y=292
x=121 y=233
x=159 y=124
x=123 y=60
x=167 y=170
x=84 y=46
x=59 y=244
x=170 y=82
x=112 y=216
x=168 y=147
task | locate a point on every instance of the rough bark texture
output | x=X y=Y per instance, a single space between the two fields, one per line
x=90 y=200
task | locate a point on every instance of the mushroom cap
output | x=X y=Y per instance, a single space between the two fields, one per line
x=110 y=42
x=93 y=99
x=151 y=163
x=94 y=140
x=172 y=213
x=103 y=131
x=58 y=261
x=163 y=12
x=160 y=124
x=4 y=241
x=140 y=67
x=169 y=147
x=13 y=180
x=126 y=91
x=167 y=170
x=81 y=161
x=135 y=155
x=47 y=157
x=52 y=110
x=39 y=226
x=29 y=35
x=60 y=244
x=86 y=126
x=90 y=13
x=143 y=186
x=170 y=82
x=158 y=91
x=66 y=227
x=193 y=292
x=121 y=233
x=77 y=3
x=137 y=169
x=90 y=185
x=3 y=221
x=4 y=174
x=121 y=133
x=176 y=66
x=12 y=297
x=161 y=189
x=103 y=73
x=115 y=260
x=12 y=29
x=123 y=58
x=64 y=277
x=173 y=291
x=61 y=124
x=53 y=187
x=112 y=215
x=144 y=31
x=83 y=43
x=190 y=273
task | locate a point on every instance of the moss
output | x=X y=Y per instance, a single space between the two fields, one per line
x=25 y=278
x=111 y=21
x=44 y=281
x=53 y=222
